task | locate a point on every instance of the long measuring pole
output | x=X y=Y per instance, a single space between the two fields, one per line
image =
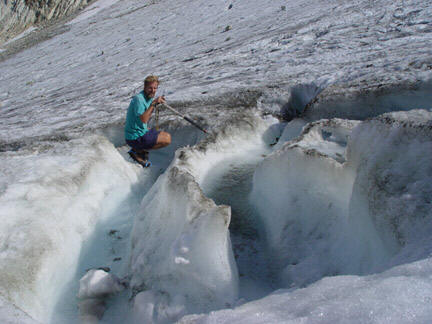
x=185 y=118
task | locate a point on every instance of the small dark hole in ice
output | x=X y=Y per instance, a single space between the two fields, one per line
x=326 y=135
x=112 y=232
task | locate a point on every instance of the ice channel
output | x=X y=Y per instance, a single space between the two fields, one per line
x=108 y=245
x=323 y=205
x=192 y=257
x=221 y=225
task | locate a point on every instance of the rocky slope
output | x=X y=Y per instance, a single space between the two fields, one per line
x=16 y=16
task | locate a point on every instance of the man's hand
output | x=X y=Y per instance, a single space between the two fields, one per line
x=159 y=100
x=145 y=117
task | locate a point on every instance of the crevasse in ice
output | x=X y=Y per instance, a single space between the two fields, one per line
x=328 y=226
x=357 y=215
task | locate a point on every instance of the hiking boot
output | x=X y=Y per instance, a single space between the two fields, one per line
x=137 y=157
x=144 y=154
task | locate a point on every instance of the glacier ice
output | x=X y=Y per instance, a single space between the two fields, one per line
x=360 y=185
x=399 y=295
x=182 y=260
x=317 y=204
x=371 y=243
x=393 y=187
x=301 y=193
x=181 y=245
x=52 y=197
x=10 y=314
x=94 y=288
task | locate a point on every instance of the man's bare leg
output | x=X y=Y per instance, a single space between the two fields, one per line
x=164 y=139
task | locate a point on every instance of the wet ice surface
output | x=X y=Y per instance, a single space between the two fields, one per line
x=70 y=198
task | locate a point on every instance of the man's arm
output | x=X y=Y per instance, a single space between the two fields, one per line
x=145 y=117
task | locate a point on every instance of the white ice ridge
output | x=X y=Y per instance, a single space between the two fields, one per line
x=182 y=260
x=349 y=221
x=399 y=295
x=50 y=200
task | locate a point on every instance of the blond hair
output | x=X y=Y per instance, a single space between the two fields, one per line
x=150 y=79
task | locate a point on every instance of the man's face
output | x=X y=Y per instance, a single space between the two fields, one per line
x=150 y=89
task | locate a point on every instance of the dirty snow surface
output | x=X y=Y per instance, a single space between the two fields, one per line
x=323 y=219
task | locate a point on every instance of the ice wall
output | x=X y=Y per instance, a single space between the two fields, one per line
x=377 y=221
x=182 y=259
x=301 y=193
x=393 y=188
x=333 y=202
x=353 y=102
x=51 y=197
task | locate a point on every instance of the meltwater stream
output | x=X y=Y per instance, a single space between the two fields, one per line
x=231 y=184
x=108 y=247
x=228 y=181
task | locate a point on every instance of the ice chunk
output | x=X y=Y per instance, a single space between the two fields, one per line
x=143 y=308
x=290 y=132
x=99 y=284
x=181 y=244
x=95 y=287
x=152 y=307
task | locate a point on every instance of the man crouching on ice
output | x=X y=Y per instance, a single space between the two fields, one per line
x=137 y=135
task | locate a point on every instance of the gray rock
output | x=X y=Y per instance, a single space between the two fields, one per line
x=17 y=16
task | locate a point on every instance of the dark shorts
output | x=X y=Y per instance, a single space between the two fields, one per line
x=145 y=142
